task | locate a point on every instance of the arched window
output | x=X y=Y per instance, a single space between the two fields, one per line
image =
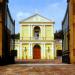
x=37 y=46
x=36 y=32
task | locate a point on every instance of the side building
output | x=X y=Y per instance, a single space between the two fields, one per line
x=71 y=7
x=69 y=33
x=65 y=43
x=7 y=32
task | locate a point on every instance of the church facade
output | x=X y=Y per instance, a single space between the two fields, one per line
x=36 y=38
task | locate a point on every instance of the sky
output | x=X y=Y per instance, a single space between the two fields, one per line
x=52 y=9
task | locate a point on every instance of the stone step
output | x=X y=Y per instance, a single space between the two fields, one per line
x=57 y=61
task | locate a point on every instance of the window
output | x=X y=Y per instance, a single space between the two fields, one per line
x=36 y=32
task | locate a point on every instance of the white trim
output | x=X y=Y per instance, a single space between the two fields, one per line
x=38 y=42
x=36 y=24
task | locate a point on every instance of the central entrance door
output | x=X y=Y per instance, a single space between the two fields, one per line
x=36 y=52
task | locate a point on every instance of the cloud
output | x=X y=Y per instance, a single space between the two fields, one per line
x=55 y=9
x=56 y=12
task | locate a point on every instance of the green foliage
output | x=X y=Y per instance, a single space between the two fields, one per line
x=58 y=35
x=17 y=36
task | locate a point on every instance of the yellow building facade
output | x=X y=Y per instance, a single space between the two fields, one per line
x=36 y=38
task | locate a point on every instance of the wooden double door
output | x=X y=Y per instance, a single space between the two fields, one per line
x=36 y=52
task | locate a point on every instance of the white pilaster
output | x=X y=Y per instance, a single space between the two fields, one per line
x=41 y=31
x=29 y=31
x=20 y=52
x=31 y=51
x=53 y=53
x=44 y=31
x=44 y=51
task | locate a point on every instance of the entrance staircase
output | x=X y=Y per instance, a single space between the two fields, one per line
x=40 y=61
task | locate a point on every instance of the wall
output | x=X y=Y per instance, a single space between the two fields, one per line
x=49 y=32
x=24 y=33
x=72 y=30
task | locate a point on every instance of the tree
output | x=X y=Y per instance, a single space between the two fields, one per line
x=17 y=36
x=58 y=35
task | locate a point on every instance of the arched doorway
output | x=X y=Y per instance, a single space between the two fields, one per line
x=36 y=52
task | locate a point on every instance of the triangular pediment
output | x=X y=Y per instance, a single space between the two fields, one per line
x=36 y=18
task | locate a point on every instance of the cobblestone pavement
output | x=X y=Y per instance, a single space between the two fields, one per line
x=38 y=69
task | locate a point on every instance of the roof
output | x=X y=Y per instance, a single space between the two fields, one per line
x=36 y=18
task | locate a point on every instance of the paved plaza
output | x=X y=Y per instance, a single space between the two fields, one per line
x=38 y=69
